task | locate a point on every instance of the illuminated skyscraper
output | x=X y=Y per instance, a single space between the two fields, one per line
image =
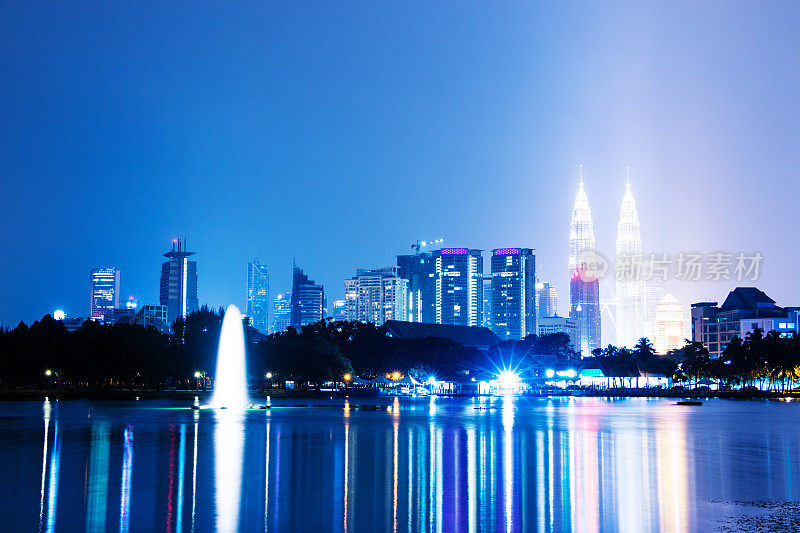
x=258 y=295
x=653 y=293
x=547 y=300
x=420 y=271
x=584 y=287
x=339 y=312
x=670 y=331
x=630 y=297
x=103 y=292
x=459 y=286
x=281 y=312
x=513 y=293
x=178 y=288
x=487 y=301
x=376 y=296
x=308 y=300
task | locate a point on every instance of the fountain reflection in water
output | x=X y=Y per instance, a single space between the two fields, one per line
x=228 y=457
x=230 y=383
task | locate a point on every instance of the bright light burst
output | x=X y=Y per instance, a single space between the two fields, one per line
x=508 y=379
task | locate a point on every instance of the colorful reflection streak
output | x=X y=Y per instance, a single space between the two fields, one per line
x=97 y=495
x=52 y=493
x=125 y=488
x=434 y=464
x=46 y=408
x=572 y=471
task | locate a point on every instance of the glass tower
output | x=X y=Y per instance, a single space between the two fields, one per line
x=630 y=297
x=103 y=292
x=308 y=300
x=178 y=289
x=281 y=312
x=258 y=295
x=584 y=286
x=459 y=287
x=513 y=293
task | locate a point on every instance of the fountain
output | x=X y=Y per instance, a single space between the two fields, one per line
x=230 y=383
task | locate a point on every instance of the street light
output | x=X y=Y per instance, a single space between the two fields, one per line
x=347 y=377
x=197 y=376
x=48 y=373
x=269 y=375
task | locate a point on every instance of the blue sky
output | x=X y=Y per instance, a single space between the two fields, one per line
x=339 y=133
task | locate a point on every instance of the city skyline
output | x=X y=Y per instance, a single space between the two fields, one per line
x=697 y=115
x=455 y=266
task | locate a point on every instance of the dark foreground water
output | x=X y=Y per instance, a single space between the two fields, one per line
x=414 y=465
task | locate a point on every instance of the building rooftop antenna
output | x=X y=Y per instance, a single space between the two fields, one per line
x=417 y=246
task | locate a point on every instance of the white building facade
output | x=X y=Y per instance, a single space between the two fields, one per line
x=376 y=296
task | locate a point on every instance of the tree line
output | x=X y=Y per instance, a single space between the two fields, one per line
x=130 y=356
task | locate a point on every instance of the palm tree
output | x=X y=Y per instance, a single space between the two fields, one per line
x=695 y=360
x=643 y=352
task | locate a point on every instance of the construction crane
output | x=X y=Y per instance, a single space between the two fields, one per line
x=417 y=246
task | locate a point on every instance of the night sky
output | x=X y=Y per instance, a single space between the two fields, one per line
x=339 y=133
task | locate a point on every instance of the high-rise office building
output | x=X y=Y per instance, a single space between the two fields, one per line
x=308 y=300
x=376 y=296
x=281 y=312
x=584 y=286
x=547 y=300
x=630 y=297
x=487 y=301
x=459 y=286
x=549 y=325
x=103 y=292
x=339 y=311
x=669 y=325
x=420 y=271
x=258 y=295
x=513 y=293
x=654 y=292
x=178 y=289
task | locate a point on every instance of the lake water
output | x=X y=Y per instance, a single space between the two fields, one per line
x=438 y=464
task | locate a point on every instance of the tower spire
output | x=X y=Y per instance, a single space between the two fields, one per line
x=580 y=169
x=628 y=175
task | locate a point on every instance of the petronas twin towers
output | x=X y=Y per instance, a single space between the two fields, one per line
x=629 y=274
x=584 y=283
x=586 y=266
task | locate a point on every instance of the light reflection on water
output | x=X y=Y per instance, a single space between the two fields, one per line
x=508 y=464
x=228 y=448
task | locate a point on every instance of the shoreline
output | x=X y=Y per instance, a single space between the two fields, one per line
x=189 y=395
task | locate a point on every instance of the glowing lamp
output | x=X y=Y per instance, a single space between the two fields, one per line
x=549 y=373
x=347 y=377
x=269 y=375
x=431 y=380
x=197 y=374
x=48 y=372
x=508 y=379
x=395 y=376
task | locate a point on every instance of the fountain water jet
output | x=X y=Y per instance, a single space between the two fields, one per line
x=230 y=383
